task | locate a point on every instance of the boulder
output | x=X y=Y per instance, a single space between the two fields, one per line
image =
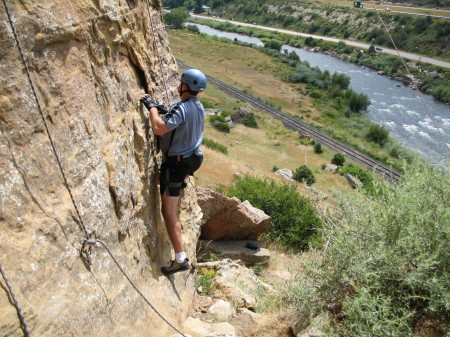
x=229 y=121
x=212 y=112
x=353 y=181
x=286 y=174
x=196 y=328
x=241 y=115
x=222 y=310
x=332 y=168
x=239 y=285
x=238 y=250
x=229 y=218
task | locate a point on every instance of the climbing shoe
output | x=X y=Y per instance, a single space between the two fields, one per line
x=175 y=267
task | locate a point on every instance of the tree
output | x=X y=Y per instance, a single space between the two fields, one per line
x=341 y=80
x=304 y=174
x=189 y=4
x=378 y=134
x=318 y=148
x=338 y=159
x=198 y=6
x=177 y=17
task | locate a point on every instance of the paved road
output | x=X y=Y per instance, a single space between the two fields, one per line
x=348 y=42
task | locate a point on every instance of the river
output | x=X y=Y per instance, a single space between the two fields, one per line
x=394 y=105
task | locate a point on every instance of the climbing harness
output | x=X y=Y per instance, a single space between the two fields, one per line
x=87 y=242
x=16 y=304
x=410 y=76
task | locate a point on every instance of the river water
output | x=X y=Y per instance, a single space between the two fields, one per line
x=394 y=105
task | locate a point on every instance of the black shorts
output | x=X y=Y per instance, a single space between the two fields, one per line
x=173 y=173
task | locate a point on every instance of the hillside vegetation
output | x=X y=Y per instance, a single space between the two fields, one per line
x=417 y=34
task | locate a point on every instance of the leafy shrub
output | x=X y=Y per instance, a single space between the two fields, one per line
x=207 y=104
x=193 y=28
x=204 y=280
x=318 y=148
x=294 y=219
x=315 y=94
x=250 y=121
x=341 y=80
x=219 y=123
x=272 y=44
x=378 y=134
x=385 y=268
x=304 y=174
x=214 y=145
x=338 y=159
x=356 y=102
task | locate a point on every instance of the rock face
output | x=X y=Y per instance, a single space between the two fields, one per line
x=89 y=61
x=241 y=115
x=285 y=174
x=238 y=250
x=228 y=218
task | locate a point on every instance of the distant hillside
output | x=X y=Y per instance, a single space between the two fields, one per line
x=416 y=34
x=423 y=3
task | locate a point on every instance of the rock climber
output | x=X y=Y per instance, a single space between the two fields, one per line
x=181 y=128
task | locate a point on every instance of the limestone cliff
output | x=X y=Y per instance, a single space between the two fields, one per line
x=90 y=60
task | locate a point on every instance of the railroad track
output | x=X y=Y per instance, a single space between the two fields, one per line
x=304 y=129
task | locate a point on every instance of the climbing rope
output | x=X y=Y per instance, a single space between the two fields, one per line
x=16 y=304
x=92 y=242
x=157 y=52
x=86 y=242
x=411 y=77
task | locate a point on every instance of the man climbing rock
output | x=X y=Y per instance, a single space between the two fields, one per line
x=181 y=128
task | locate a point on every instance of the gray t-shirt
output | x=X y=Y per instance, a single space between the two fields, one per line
x=187 y=118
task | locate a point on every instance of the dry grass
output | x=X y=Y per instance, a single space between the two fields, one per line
x=250 y=150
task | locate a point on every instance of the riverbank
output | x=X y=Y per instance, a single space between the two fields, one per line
x=250 y=70
x=432 y=80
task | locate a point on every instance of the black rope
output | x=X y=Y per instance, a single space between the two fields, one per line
x=43 y=118
x=92 y=242
x=16 y=304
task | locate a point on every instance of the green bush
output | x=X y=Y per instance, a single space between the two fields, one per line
x=214 y=145
x=385 y=269
x=193 y=28
x=207 y=104
x=356 y=102
x=318 y=148
x=294 y=219
x=378 y=134
x=338 y=159
x=219 y=123
x=304 y=174
x=250 y=121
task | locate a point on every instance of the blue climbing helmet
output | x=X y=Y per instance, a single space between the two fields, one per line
x=195 y=79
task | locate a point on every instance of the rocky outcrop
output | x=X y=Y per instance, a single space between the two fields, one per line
x=229 y=218
x=89 y=61
x=285 y=174
x=353 y=181
x=241 y=115
x=249 y=252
